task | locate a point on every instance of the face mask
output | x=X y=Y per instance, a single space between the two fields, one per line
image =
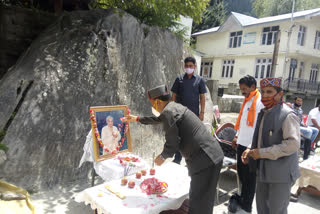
x=189 y=70
x=154 y=108
x=269 y=102
x=297 y=105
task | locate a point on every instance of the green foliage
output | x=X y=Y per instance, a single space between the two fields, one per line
x=3 y=147
x=263 y=8
x=212 y=17
x=163 y=13
x=242 y=6
x=2 y=134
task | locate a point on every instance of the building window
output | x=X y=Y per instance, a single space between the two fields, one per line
x=314 y=72
x=317 y=41
x=301 y=69
x=301 y=35
x=263 y=68
x=269 y=35
x=227 y=68
x=235 y=39
x=293 y=68
x=206 y=69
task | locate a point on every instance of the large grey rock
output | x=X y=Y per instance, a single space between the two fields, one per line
x=86 y=58
x=230 y=103
x=3 y=157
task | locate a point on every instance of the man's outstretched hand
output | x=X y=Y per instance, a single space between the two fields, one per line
x=129 y=118
x=159 y=161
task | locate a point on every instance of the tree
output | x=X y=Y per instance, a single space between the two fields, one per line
x=242 y=6
x=212 y=17
x=161 y=13
x=263 y=8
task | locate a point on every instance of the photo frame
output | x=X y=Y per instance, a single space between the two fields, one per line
x=110 y=135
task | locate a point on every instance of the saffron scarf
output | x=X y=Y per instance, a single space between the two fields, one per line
x=252 y=110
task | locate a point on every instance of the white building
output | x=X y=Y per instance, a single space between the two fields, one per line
x=244 y=45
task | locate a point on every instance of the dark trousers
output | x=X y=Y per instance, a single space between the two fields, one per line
x=272 y=198
x=248 y=181
x=306 y=148
x=203 y=187
x=177 y=157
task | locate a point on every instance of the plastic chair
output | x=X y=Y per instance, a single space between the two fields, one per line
x=230 y=159
x=305 y=118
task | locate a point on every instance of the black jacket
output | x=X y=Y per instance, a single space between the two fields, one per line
x=185 y=132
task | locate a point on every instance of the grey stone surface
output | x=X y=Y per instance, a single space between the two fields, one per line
x=18 y=27
x=86 y=58
x=9 y=196
x=233 y=88
x=228 y=118
x=3 y=157
x=229 y=104
x=213 y=88
x=236 y=106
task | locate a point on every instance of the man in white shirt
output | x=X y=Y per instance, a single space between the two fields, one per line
x=313 y=121
x=245 y=126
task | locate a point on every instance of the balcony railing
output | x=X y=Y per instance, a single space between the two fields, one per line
x=301 y=86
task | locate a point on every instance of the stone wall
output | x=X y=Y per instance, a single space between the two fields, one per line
x=86 y=58
x=230 y=103
x=18 y=28
x=213 y=88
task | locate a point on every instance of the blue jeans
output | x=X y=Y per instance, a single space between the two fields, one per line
x=309 y=132
x=306 y=131
x=315 y=132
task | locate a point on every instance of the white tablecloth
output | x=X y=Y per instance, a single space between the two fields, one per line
x=111 y=169
x=310 y=172
x=107 y=169
x=137 y=202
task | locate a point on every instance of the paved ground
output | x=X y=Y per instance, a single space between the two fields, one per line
x=60 y=200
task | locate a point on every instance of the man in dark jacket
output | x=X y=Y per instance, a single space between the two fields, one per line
x=188 y=89
x=185 y=132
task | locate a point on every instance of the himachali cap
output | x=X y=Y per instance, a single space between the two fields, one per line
x=270 y=81
x=158 y=91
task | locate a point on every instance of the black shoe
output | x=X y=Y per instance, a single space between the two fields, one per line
x=233 y=204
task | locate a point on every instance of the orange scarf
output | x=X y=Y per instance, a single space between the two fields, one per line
x=252 y=110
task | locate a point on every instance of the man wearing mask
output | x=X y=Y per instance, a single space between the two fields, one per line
x=245 y=125
x=187 y=90
x=306 y=132
x=273 y=154
x=186 y=133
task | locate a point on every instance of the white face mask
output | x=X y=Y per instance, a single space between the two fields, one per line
x=155 y=112
x=189 y=70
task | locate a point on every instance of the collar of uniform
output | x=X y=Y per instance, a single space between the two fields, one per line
x=185 y=76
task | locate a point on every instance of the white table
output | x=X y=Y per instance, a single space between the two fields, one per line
x=111 y=169
x=310 y=175
x=137 y=202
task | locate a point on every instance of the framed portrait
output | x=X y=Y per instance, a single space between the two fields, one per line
x=109 y=134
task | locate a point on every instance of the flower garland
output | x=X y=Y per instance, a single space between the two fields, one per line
x=96 y=131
